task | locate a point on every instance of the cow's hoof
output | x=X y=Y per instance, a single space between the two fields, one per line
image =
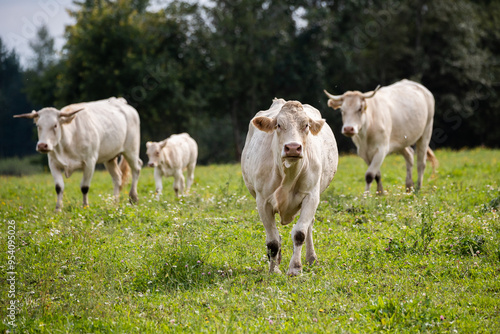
x=133 y=199
x=312 y=259
x=294 y=271
x=276 y=271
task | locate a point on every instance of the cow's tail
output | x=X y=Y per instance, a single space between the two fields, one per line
x=125 y=169
x=433 y=160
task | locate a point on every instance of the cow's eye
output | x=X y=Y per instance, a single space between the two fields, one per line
x=306 y=127
x=278 y=126
x=157 y=154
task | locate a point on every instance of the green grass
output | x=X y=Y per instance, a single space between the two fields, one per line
x=426 y=262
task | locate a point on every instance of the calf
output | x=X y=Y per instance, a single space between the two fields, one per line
x=170 y=157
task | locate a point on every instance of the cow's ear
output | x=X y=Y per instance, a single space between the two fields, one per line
x=315 y=126
x=163 y=143
x=264 y=123
x=335 y=104
x=66 y=119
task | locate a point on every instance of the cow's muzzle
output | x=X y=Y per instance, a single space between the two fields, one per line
x=43 y=148
x=348 y=131
x=293 y=150
x=151 y=164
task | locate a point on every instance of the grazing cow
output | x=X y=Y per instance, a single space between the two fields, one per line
x=170 y=157
x=80 y=135
x=289 y=159
x=389 y=119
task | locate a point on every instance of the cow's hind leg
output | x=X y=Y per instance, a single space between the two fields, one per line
x=310 y=253
x=88 y=172
x=407 y=153
x=190 y=175
x=116 y=176
x=421 y=149
x=135 y=165
x=179 y=182
x=273 y=239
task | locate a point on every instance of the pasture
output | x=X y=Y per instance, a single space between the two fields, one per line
x=419 y=262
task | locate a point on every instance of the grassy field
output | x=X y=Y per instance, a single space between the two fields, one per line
x=426 y=262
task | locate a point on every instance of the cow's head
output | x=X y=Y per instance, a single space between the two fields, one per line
x=153 y=151
x=291 y=127
x=353 y=107
x=48 y=122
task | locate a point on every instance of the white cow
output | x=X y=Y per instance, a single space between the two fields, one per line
x=289 y=159
x=80 y=135
x=170 y=157
x=389 y=119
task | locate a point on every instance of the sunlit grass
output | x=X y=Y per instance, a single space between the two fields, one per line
x=401 y=262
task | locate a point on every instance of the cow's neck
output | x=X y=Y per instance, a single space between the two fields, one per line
x=284 y=200
x=290 y=175
x=63 y=153
x=363 y=133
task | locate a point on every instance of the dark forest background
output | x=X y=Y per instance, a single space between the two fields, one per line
x=208 y=68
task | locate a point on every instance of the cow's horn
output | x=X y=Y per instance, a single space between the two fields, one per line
x=370 y=94
x=333 y=97
x=70 y=113
x=32 y=114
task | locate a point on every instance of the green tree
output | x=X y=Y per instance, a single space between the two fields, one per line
x=245 y=45
x=16 y=138
x=41 y=76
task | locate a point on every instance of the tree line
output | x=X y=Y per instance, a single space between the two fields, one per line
x=208 y=67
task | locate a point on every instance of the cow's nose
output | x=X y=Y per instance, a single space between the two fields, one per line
x=348 y=130
x=293 y=149
x=150 y=164
x=42 y=147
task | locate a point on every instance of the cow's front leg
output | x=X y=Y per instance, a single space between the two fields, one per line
x=59 y=182
x=190 y=175
x=373 y=171
x=310 y=253
x=158 y=182
x=273 y=240
x=301 y=232
x=88 y=172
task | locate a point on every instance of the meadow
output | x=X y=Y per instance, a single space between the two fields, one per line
x=418 y=262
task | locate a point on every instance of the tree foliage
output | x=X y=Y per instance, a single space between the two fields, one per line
x=207 y=68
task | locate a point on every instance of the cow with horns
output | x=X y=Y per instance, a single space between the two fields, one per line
x=389 y=119
x=81 y=135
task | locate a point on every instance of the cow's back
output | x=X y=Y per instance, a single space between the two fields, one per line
x=181 y=150
x=104 y=127
x=405 y=110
